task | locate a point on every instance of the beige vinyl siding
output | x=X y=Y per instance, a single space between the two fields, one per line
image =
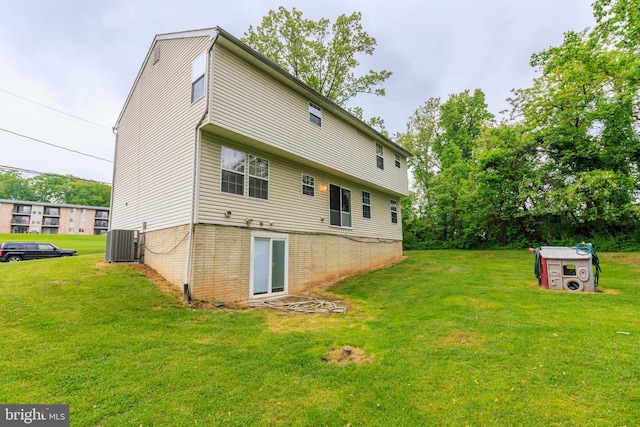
x=156 y=132
x=287 y=209
x=248 y=102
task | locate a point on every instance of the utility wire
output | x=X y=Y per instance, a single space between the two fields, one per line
x=56 y=146
x=55 y=109
x=32 y=172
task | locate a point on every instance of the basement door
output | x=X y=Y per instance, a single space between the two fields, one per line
x=269 y=260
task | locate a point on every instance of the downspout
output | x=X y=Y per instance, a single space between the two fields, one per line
x=196 y=150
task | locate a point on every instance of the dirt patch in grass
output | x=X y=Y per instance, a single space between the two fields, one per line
x=163 y=284
x=346 y=354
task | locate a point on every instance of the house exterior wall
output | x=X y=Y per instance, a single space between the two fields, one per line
x=252 y=108
x=222 y=260
x=156 y=133
x=166 y=252
x=247 y=101
x=287 y=208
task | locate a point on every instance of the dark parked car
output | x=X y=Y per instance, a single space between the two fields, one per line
x=18 y=251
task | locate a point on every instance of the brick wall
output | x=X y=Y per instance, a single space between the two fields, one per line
x=221 y=259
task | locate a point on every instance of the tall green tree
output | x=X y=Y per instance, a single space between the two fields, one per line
x=442 y=138
x=320 y=53
x=88 y=193
x=14 y=187
x=584 y=113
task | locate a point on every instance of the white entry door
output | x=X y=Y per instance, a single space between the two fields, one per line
x=268 y=264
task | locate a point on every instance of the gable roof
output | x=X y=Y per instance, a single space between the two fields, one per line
x=219 y=35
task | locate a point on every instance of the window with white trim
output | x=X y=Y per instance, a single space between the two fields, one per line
x=198 y=67
x=232 y=171
x=394 y=212
x=379 y=156
x=258 y=177
x=397 y=159
x=366 y=205
x=339 y=206
x=315 y=114
x=308 y=185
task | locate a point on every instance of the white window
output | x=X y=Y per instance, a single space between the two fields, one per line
x=379 y=156
x=258 y=177
x=156 y=54
x=397 y=159
x=308 y=185
x=394 y=211
x=339 y=206
x=233 y=174
x=315 y=114
x=232 y=171
x=366 y=204
x=198 y=67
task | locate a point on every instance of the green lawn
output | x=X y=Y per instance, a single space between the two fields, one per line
x=81 y=243
x=444 y=338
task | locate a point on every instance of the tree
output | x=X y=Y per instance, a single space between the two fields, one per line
x=88 y=193
x=442 y=138
x=584 y=113
x=54 y=188
x=462 y=118
x=321 y=54
x=14 y=187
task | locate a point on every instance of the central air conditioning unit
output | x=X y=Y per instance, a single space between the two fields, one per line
x=567 y=268
x=121 y=246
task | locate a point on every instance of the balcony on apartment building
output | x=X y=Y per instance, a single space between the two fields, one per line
x=51 y=222
x=19 y=220
x=102 y=214
x=22 y=209
x=101 y=223
x=49 y=211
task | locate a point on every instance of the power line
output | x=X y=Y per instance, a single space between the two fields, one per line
x=54 y=109
x=56 y=146
x=32 y=172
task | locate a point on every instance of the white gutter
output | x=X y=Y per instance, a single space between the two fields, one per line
x=194 y=174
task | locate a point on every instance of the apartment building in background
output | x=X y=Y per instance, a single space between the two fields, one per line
x=49 y=218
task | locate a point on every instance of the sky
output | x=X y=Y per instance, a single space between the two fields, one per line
x=66 y=67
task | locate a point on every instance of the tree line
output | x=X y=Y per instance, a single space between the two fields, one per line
x=562 y=168
x=54 y=188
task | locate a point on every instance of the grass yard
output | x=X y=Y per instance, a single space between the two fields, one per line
x=443 y=338
x=81 y=243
